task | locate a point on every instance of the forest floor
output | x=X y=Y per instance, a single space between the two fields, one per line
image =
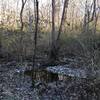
x=14 y=85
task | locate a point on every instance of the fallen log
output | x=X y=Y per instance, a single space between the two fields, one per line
x=66 y=70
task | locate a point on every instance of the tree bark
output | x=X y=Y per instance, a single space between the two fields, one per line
x=55 y=42
x=21 y=29
x=52 y=56
x=36 y=12
x=21 y=14
x=63 y=18
x=0 y=47
x=87 y=17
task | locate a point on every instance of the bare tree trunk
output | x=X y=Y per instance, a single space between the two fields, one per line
x=21 y=29
x=87 y=17
x=63 y=18
x=52 y=51
x=21 y=14
x=55 y=42
x=95 y=16
x=36 y=12
x=0 y=47
x=53 y=22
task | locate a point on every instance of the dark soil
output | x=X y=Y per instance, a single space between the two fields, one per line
x=15 y=85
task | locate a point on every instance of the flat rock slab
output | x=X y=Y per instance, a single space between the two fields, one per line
x=74 y=72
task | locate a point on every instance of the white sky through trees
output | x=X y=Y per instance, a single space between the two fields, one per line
x=12 y=3
x=16 y=4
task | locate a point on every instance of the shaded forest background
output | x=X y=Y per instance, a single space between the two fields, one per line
x=52 y=30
